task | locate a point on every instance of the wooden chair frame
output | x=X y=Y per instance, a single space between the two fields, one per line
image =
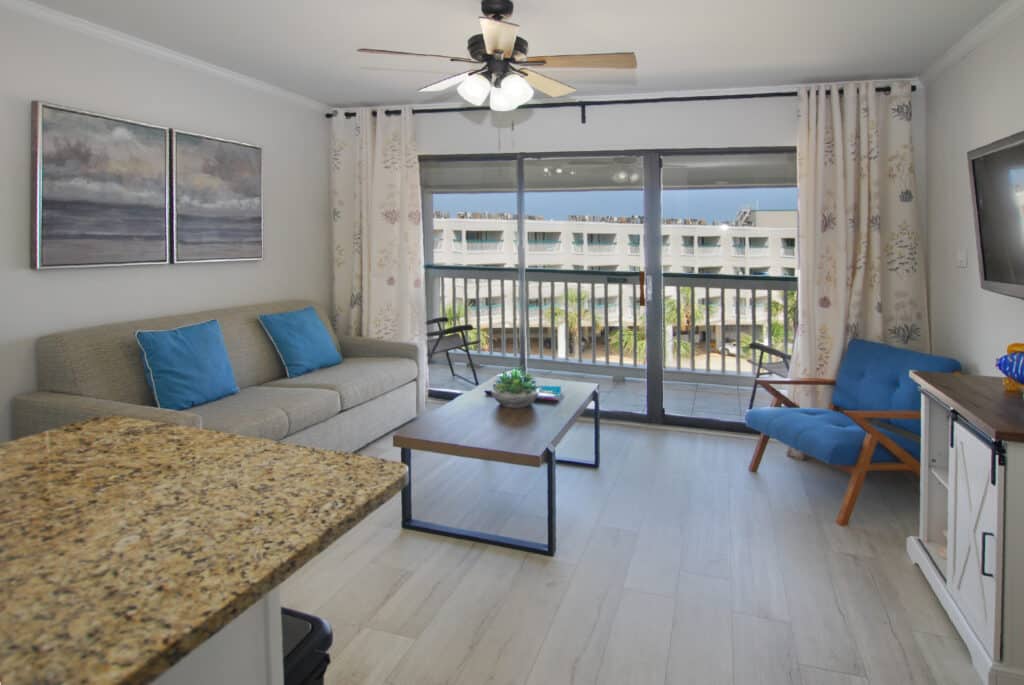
x=871 y=422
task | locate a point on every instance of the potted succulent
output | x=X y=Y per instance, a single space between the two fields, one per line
x=514 y=389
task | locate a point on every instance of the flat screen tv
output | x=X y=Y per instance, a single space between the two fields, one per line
x=997 y=179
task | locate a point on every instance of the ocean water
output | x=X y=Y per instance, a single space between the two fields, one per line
x=94 y=233
x=203 y=237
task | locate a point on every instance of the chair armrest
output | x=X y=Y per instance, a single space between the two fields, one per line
x=868 y=414
x=761 y=347
x=798 y=381
x=778 y=399
x=439 y=319
x=458 y=329
x=41 y=411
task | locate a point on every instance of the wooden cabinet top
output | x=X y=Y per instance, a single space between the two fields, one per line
x=979 y=399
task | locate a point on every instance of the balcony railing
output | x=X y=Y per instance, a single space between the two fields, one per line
x=592 y=320
x=544 y=245
x=484 y=245
x=601 y=248
x=788 y=251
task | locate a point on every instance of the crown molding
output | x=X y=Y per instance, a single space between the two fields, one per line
x=974 y=38
x=109 y=35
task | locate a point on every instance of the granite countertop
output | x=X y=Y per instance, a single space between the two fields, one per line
x=124 y=544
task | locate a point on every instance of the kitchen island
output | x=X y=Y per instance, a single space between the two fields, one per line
x=128 y=546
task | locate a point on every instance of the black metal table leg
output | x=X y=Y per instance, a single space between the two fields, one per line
x=552 y=526
x=596 y=464
x=407 y=490
x=410 y=523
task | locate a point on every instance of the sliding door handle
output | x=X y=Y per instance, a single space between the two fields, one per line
x=984 y=556
x=643 y=288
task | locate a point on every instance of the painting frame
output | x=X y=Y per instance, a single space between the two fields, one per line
x=39 y=167
x=176 y=215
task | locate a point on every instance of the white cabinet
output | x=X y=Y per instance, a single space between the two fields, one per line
x=974 y=549
x=970 y=544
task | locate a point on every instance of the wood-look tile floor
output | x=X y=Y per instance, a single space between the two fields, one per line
x=674 y=565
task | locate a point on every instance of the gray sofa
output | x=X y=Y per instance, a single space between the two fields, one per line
x=98 y=372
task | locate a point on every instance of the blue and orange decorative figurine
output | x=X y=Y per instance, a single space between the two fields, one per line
x=1012 y=366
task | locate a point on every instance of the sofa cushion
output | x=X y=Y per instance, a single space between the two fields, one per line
x=187 y=366
x=829 y=436
x=357 y=379
x=273 y=413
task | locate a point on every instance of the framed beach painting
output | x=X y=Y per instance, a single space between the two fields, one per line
x=218 y=203
x=100 y=189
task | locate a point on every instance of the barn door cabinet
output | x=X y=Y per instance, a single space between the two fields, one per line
x=969 y=545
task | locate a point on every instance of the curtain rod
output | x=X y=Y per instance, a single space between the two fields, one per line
x=583 y=104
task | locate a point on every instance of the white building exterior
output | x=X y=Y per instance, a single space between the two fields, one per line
x=758 y=243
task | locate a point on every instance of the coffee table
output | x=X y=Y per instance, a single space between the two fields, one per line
x=475 y=426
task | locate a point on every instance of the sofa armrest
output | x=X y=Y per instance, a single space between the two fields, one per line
x=355 y=346
x=40 y=411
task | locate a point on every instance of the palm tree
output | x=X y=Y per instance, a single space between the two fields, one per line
x=577 y=302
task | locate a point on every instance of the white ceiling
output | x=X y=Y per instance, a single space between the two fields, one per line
x=308 y=46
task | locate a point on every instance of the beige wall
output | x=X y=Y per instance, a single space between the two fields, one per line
x=973 y=102
x=46 y=61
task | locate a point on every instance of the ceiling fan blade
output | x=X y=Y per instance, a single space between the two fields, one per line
x=499 y=36
x=374 y=51
x=597 y=60
x=546 y=84
x=446 y=83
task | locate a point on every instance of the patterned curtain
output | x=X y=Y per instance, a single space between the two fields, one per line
x=861 y=259
x=378 y=235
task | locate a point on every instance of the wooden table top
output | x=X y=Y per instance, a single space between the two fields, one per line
x=979 y=399
x=475 y=425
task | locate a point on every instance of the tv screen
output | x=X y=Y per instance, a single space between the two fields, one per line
x=997 y=174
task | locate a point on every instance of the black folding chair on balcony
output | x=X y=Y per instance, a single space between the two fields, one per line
x=779 y=367
x=448 y=339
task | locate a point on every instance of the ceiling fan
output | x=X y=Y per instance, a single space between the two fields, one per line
x=504 y=71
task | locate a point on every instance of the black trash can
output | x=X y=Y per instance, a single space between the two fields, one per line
x=305 y=641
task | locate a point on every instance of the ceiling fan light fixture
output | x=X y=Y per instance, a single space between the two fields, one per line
x=474 y=89
x=513 y=92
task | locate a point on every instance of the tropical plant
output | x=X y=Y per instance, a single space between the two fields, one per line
x=577 y=302
x=515 y=382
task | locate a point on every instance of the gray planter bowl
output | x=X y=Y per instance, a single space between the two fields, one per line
x=516 y=400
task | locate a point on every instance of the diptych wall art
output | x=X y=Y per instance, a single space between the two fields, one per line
x=218 y=213
x=113 y=192
x=100 y=190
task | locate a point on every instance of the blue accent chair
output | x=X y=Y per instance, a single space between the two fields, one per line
x=874 y=422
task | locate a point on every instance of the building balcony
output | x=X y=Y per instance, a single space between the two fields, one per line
x=485 y=245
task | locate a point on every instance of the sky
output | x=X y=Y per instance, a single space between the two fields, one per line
x=714 y=205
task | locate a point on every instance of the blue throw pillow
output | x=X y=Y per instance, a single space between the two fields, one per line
x=301 y=340
x=187 y=366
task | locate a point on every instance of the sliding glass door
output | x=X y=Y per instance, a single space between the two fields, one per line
x=650 y=273
x=584 y=260
x=729 y=276
x=470 y=249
